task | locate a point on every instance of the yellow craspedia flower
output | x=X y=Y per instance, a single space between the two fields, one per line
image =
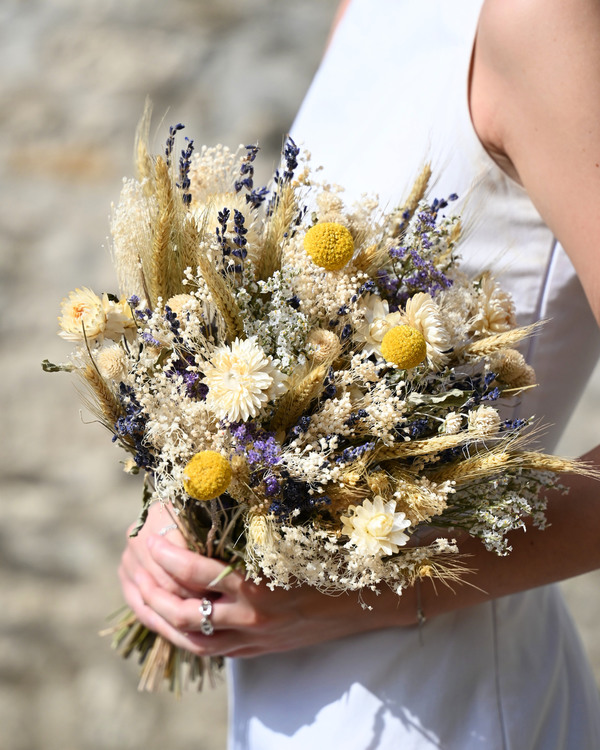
x=330 y=245
x=404 y=346
x=207 y=475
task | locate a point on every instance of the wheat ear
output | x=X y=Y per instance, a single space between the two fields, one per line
x=419 y=447
x=143 y=160
x=298 y=398
x=400 y=217
x=276 y=233
x=222 y=296
x=106 y=406
x=498 y=341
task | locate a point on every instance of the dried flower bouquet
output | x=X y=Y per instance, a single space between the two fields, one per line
x=307 y=386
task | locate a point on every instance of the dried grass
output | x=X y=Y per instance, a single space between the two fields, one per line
x=498 y=341
x=277 y=232
x=299 y=397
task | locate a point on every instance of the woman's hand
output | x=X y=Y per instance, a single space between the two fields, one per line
x=164 y=584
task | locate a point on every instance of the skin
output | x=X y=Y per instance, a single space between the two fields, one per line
x=535 y=106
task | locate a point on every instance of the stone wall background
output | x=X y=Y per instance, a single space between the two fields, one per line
x=75 y=74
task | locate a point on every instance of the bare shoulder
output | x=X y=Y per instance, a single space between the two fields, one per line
x=535 y=100
x=518 y=30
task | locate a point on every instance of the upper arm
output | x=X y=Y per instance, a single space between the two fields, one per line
x=536 y=99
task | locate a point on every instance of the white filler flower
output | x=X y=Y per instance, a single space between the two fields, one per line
x=241 y=379
x=375 y=527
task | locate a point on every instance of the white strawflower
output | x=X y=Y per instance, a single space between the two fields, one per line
x=375 y=323
x=375 y=527
x=422 y=313
x=496 y=308
x=241 y=379
x=119 y=318
x=484 y=421
x=82 y=309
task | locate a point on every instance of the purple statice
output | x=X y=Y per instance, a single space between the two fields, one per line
x=272 y=486
x=149 y=339
x=354 y=452
x=131 y=427
x=329 y=387
x=192 y=381
x=259 y=447
x=414 y=274
x=417 y=428
x=346 y=332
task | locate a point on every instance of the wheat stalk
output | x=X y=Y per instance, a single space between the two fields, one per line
x=400 y=217
x=143 y=160
x=276 y=233
x=419 y=447
x=159 y=265
x=222 y=296
x=107 y=406
x=299 y=397
x=497 y=341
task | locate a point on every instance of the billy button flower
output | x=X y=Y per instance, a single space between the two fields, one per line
x=330 y=245
x=404 y=346
x=207 y=475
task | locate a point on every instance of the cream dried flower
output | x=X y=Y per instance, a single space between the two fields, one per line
x=452 y=423
x=376 y=320
x=119 y=318
x=422 y=313
x=484 y=421
x=375 y=528
x=325 y=345
x=496 y=308
x=241 y=379
x=112 y=362
x=183 y=305
x=82 y=310
x=511 y=367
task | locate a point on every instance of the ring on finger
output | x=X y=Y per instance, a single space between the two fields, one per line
x=206 y=624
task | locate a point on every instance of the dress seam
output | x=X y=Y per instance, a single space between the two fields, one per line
x=500 y=706
x=544 y=291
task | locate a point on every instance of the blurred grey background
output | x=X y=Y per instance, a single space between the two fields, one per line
x=75 y=74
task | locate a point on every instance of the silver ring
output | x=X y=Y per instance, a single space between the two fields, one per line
x=206 y=626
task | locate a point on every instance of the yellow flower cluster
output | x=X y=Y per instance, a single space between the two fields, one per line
x=404 y=346
x=330 y=245
x=207 y=475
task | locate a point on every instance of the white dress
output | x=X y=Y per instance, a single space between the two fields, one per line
x=505 y=675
